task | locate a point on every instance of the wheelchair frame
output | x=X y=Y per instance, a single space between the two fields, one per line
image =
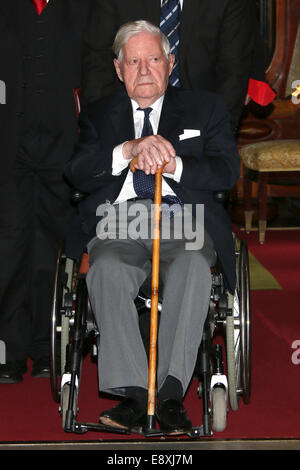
x=73 y=332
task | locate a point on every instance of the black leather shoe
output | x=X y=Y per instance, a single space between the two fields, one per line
x=172 y=417
x=12 y=372
x=128 y=414
x=41 y=368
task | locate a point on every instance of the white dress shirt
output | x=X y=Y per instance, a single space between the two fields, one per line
x=119 y=163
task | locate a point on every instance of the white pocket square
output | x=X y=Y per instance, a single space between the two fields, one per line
x=189 y=133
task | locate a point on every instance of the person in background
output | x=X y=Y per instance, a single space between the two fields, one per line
x=213 y=42
x=40 y=49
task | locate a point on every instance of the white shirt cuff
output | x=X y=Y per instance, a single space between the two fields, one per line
x=119 y=163
x=176 y=176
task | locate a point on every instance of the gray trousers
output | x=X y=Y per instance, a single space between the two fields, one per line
x=118 y=267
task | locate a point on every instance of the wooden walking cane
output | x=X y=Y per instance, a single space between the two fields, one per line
x=154 y=297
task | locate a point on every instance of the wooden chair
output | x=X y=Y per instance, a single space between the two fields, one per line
x=267 y=163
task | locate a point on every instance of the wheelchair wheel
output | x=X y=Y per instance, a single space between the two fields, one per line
x=219 y=409
x=238 y=341
x=72 y=373
x=61 y=309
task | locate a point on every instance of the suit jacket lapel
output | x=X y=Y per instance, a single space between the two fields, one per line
x=122 y=118
x=170 y=120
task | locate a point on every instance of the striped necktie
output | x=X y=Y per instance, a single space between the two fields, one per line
x=39 y=5
x=170 y=26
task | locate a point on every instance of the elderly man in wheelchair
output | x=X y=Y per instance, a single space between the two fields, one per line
x=186 y=136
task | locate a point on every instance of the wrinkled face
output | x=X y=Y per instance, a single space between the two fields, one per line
x=144 y=69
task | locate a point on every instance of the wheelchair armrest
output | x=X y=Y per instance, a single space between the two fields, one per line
x=221 y=196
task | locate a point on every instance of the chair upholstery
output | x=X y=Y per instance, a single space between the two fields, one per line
x=278 y=155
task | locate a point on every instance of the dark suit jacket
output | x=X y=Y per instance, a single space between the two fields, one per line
x=71 y=17
x=210 y=161
x=216 y=44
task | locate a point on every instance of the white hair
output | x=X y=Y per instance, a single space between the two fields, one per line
x=136 y=27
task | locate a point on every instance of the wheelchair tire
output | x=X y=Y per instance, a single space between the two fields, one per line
x=59 y=334
x=219 y=409
x=238 y=345
x=245 y=322
x=232 y=364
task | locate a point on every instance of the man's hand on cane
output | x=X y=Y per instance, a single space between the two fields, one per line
x=153 y=152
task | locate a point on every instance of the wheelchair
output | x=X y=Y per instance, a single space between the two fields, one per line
x=224 y=378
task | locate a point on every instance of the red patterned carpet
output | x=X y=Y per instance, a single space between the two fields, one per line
x=28 y=413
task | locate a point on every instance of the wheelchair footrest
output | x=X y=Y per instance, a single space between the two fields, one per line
x=195 y=433
x=81 y=428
